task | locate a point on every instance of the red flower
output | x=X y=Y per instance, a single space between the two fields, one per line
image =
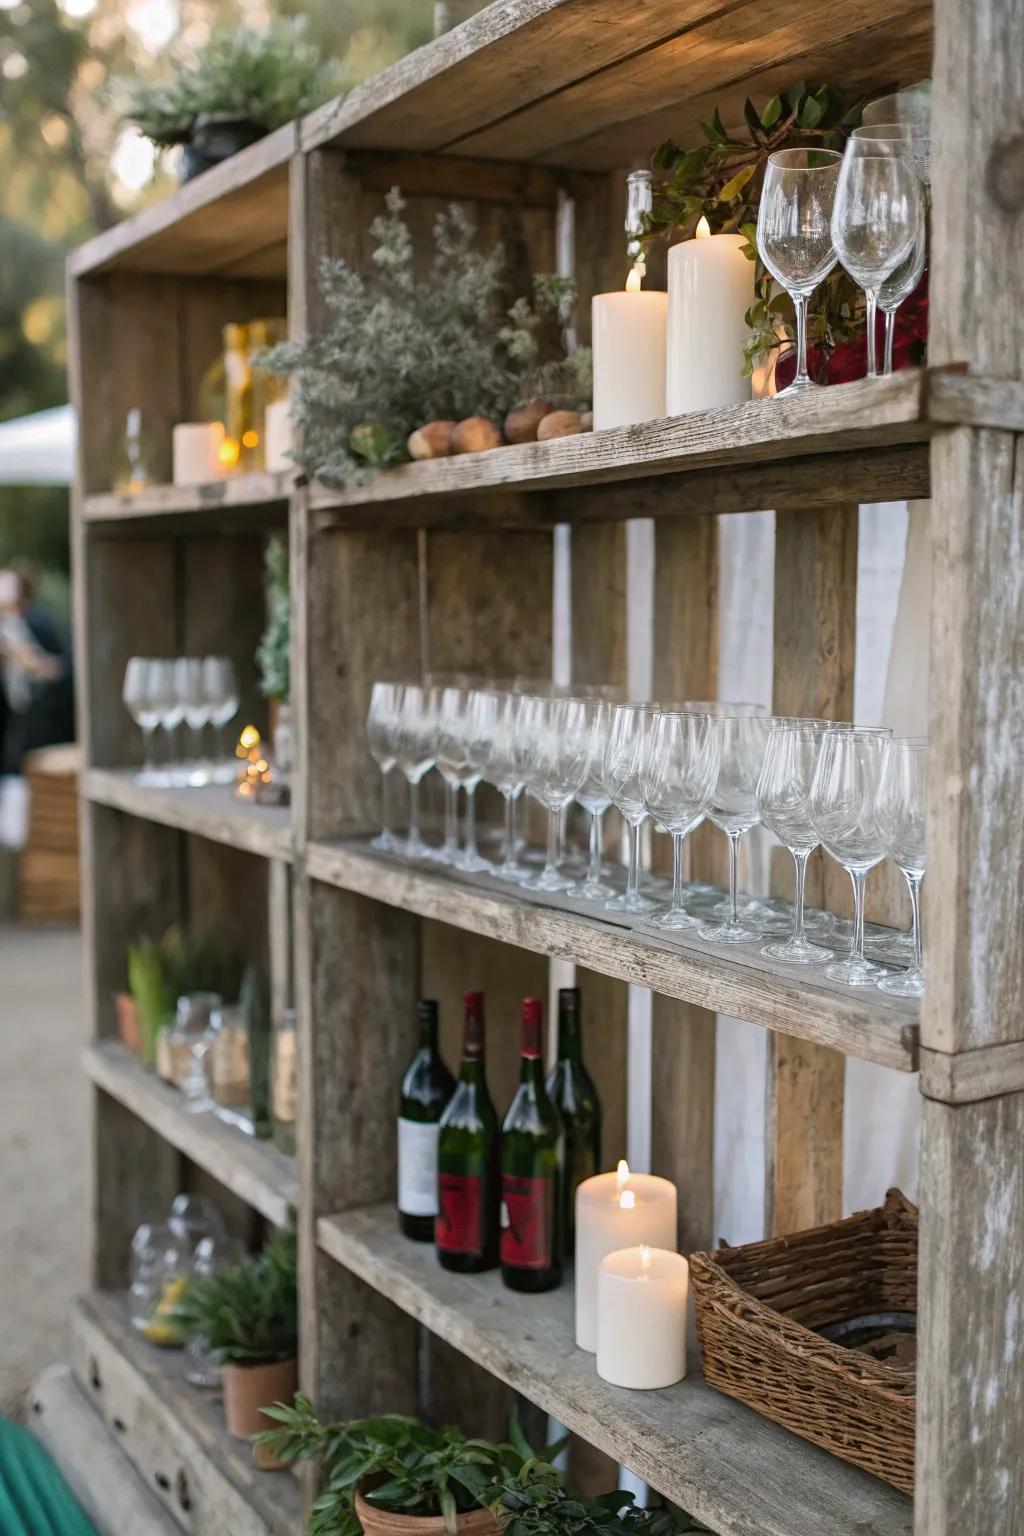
x=849 y=359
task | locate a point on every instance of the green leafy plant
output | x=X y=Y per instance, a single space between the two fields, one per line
x=248 y=1314
x=721 y=179
x=273 y=651
x=536 y=1503
x=399 y=350
x=266 y=77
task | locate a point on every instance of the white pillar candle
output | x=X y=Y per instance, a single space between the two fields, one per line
x=710 y=289
x=616 y=1210
x=277 y=436
x=641 y=1318
x=194 y=452
x=629 y=356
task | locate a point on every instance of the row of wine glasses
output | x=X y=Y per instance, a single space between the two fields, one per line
x=163 y=694
x=857 y=792
x=866 y=208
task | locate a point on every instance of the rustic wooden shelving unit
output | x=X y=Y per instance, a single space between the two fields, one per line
x=530 y=112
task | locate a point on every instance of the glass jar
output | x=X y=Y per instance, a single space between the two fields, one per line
x=211 y=1254
x=190 y=1043
x=193 y=1217
x=229 y=1060
x=159 y=1277
x=284 y=1081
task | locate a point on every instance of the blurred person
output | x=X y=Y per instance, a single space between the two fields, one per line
x=36 y=682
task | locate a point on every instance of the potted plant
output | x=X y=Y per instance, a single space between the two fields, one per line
x=248 y=1318
x=242 y=84
x=273 y=656
x=537 y=1503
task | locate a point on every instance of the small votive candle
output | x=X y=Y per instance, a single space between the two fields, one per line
x=641 y=1318
x=616 y=1210
x=195 y=452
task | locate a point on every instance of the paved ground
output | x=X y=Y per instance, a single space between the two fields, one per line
x=43 y=1151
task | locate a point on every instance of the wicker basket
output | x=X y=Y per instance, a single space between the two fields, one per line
x=757 y=1308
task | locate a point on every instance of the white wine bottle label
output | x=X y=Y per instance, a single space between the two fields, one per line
x=417 y=1168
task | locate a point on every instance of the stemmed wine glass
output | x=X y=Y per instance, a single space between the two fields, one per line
x=841 y=805
x=782 y=790
x=794 y=238
x=732 y=807
x=594 y=798
x=504 y=772
x=478 y=725
x=414 y=753
x=137 y=694
x=556 y=736
x=196 y=708
x=171 y=711
x=220 y=687
x=877 y=219
x=381 y=738
x=623 y=768
x=914 y=142
x=900 y=810
x=451 y=762
x=677 y=774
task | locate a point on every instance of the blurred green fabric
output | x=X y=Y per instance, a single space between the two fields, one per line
x=34 y=1498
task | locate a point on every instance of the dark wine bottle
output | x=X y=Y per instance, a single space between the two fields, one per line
x=571 y=1090
x=426 y=1088
x=532 y=1149
x=469 y=1172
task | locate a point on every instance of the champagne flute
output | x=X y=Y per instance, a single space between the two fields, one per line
x=794 y=238
x=900 y=809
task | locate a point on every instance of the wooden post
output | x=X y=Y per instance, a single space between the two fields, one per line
x=815 y=614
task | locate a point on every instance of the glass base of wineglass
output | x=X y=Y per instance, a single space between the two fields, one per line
x=819 y=924
x=472 y=864
x=550 y=878
x=590 y=890
x=385 y=842
x=732 y=931
x=630 y=901
x=796 y=951
x=673 y=919
x=855 y=972
x=798 y=387
x=511 y=870
x=414 y=848
x=903 y=984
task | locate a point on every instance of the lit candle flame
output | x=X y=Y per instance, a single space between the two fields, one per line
x=627 y=1200
x=622 y=1173
x=645 y=1256
x=703 y=229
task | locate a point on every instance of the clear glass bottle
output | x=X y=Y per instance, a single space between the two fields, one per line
x=159 y=1277
x=132 y=472
x=284 y=1080
x=195 y=1026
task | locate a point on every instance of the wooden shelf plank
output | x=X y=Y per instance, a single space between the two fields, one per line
x=213 y=811
x=256 y=1171
x=235 y=494
x=175 y=1433
x=847 y=421
x=858 y=1022
x=719 y=1460
x=230 y=221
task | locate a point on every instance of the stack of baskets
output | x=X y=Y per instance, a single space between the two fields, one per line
x=48 y=867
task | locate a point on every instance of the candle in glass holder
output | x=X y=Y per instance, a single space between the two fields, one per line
x=641 y=1317
x=629 y=354
x=710 y=289
x=195 y=447
x=616 y=1210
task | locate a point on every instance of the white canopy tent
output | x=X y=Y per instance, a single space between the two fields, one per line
x=38 y=449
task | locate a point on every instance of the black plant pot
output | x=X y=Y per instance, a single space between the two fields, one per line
x=213 y=141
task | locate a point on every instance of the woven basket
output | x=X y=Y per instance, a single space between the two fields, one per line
x=757 y=1307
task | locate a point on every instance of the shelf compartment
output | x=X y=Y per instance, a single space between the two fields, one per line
x=719 y=1460
x=174 y=1434
x=856 y=1021
x=213 y=811
x=826 y=427
x=243 y=499
x=256 y=1171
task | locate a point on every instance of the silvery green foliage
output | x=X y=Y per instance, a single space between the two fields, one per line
x=398 y=351
x=273 y=651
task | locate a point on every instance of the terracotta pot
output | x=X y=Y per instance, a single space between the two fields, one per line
x=381 y=1522
x=248 y=1388
x=128 y=1026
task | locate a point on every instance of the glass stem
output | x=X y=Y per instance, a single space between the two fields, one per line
x=385 y=820
x=800 y=861
x=414 y=812
x=554 y=824
x=677 y=871
x=510 y=831
x=451 y=828
x=890 y=332
x=147 y=749
x=859 y=877
x=470 y=831
x=734 y=860
x=633 y=870
x=872 y=303
x=800 y=305
x=914 y=887
x=596 y=850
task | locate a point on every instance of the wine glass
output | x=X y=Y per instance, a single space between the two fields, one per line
x=556 y=736
x=594 y=798
x=794 y=238
x=841 y=805
x=732 y=806
x=782 y=790
x=381 y=736
x=137 y=697
x=478 y=727
x=452 y=764
x=196 y=708
x=912 y=105
x=623 y=768
x=900 y=810
x=877 y=218
x=414 y=753
x=904 y=281
x=170 y=711
x=221 y=688
x=677 y=774
x=504 y=772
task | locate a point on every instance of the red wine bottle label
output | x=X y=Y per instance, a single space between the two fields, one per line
x=460 y=1222
x=417 y=1168
x=527 y=1221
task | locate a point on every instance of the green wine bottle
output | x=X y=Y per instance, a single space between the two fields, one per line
x=571 y=1090
x=426 y=1088
x=532 y=1150
x=468 y=1168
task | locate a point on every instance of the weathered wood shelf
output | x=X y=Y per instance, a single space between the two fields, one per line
x=175 y=1433
x=858 y=1022
x=213 y=811
x=716 y=1458
x=256 y=1171
x=241 y=497
x=807 y=449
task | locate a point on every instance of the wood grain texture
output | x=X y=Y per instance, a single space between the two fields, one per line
x=173 y=1435
x=127 y=606
x=213 y=812
x=814 y=634
x=134 y=1176
x=196 y=505
x=720 y=1461
x=964 y=1077
x=970 y=1475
